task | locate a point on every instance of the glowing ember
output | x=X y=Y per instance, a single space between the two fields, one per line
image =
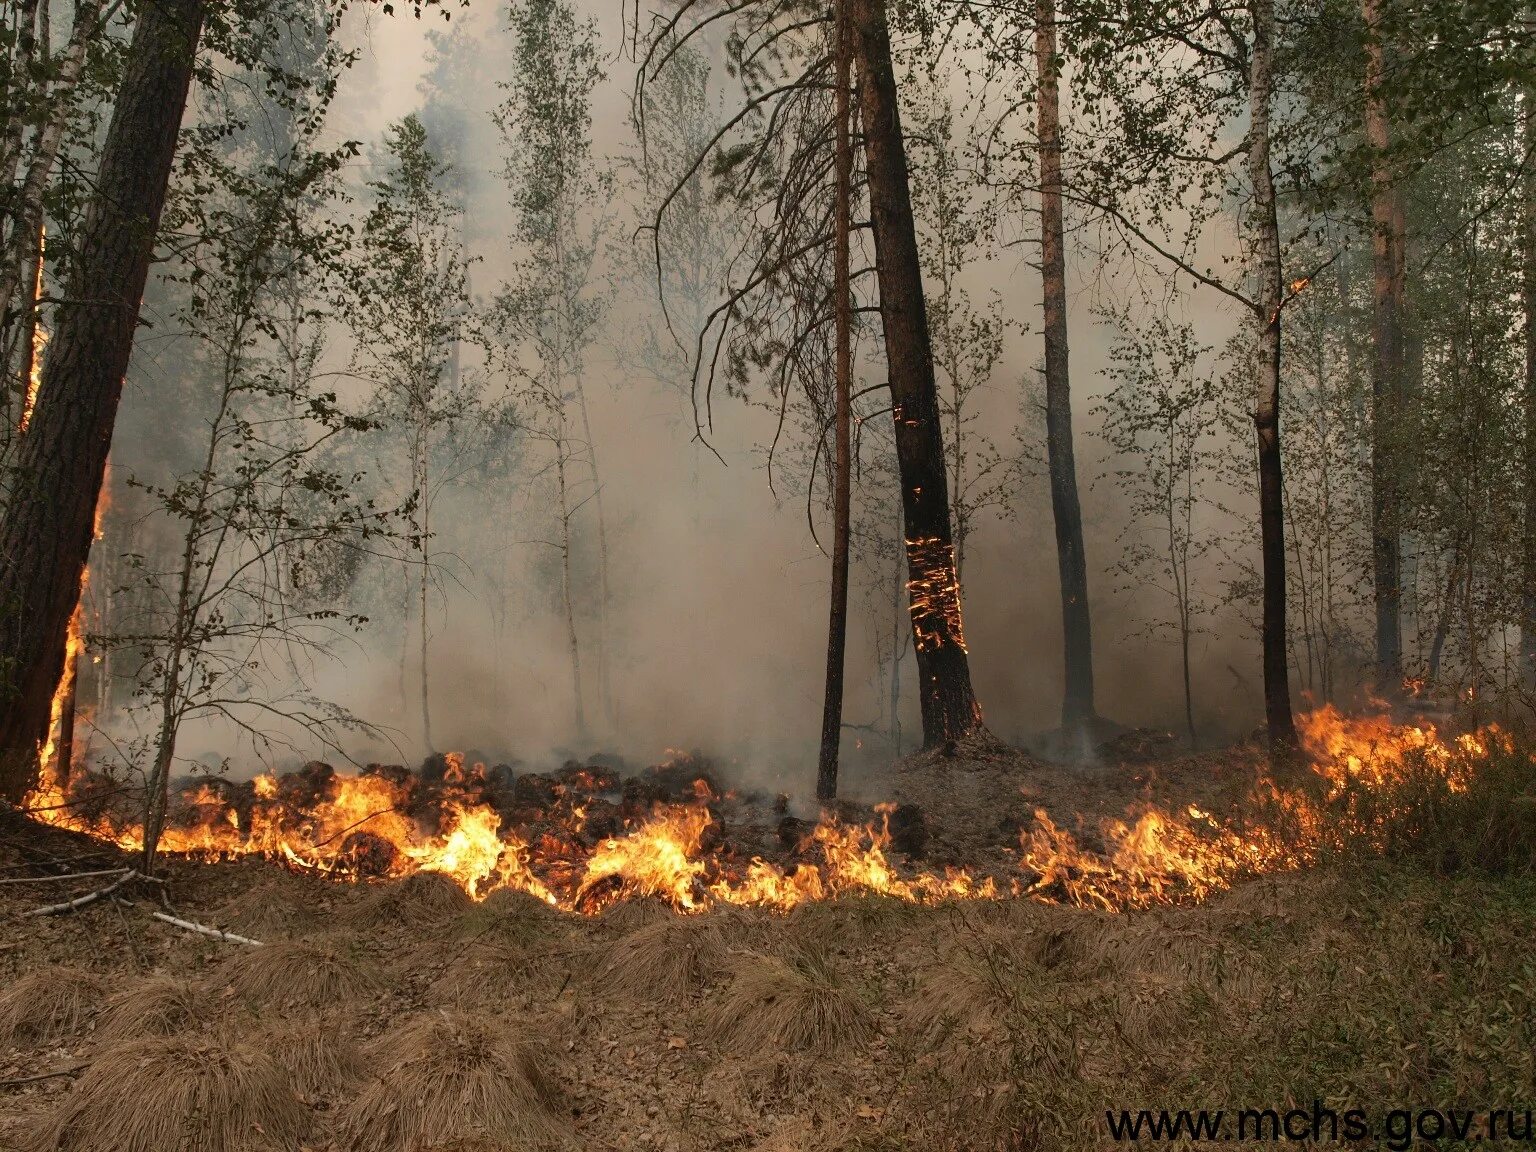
x=935 y=595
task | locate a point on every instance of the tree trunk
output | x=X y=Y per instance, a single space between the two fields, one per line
x=1071 y=561
x=837 y=624
x=45 y=537
x=1387 y=363
x=422 y=466
x=567 y=591
x=1265 y=230
x=1528 y=304
x=949 y=706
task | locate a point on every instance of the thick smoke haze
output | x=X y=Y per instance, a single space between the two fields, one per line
x=719 y=624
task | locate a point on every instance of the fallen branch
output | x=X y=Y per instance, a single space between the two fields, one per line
x=64 y=876
x=82 y=901
x=204 y=930
x=73 y=1071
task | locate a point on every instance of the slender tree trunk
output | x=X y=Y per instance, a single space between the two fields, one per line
x=1388 y=268
x=896 y=643
x=1265 y=229
x=837 y=624
x=604 y=678
x=567 y=590
x=949 y=706
x=423 y=582
x=45 y=537
x=1528 y=304
x=1077 y=705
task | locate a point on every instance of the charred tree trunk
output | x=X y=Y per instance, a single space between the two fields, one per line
x=1388 y=274
x=1071 y=561
x=837 y=624
x=949 y=706
x=45 y=538
x=1265 y=227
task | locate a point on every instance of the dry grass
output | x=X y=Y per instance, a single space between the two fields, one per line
x=450 y=1076
x=320 y=1055
x=274 y=909
x=306 y=974
x=158 y=1006
x=47 y=1005
x=662 y=963
x=484 y=974
x=423 y=897
x=795 y=1003
x=178 y=1094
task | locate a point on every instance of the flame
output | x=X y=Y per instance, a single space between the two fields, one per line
x=39 y=340
x=388 y=823
x=935 y=594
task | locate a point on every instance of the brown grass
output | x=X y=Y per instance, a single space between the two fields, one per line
x=662 y=963
x=451 y=1076
x=423 y=897
x=177 y=1094
x=484 y=974
x=275 y=909
x=48 y=1004
x=795 y=1003
x=301 y=974
x=157 y=1006
x=320 y=1054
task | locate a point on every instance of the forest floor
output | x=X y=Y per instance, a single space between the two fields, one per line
x=403 y=1017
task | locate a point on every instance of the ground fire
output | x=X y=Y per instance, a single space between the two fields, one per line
x=588 y=836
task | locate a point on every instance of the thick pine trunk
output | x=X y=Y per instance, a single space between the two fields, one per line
x=1071 y=561
x=837 y=624
x=1265 y=233
x=1388 y=275
x=949 y=706
x=45 y=537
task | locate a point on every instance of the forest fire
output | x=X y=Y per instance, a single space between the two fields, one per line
x=585 y=837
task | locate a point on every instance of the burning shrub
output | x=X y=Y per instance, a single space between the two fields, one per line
x=452 y=1076
x=48 y=1005
x=178 y=1094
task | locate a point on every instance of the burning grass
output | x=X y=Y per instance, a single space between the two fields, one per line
x=178 y=1094
x=46 y=1006
x=450 y=1076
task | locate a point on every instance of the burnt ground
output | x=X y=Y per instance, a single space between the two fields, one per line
x=863 y=1023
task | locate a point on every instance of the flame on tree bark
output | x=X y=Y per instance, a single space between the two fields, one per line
x=1528 y=305
x=1268 y=303
x=46 y=534
x=837 y=627
x=1389 y=276
x=1072 y=564
x=948 y=702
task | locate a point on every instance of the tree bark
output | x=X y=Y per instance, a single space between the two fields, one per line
x=1528 y=305
x=949 y=706
x=45 y=537
x=837 y=624
x=1265 y=228
x=1388 y=274
x=1071 y=561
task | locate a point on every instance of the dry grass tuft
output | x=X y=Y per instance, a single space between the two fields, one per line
x=301 y=974
x=451 y=1076
x=664 y=962
x=276 y=909
x=424 y=896
x=320 y=1054
x=158 y=1006
x=178 y=1094
x=795 y=1003
x=47 y=1005
x=483 y=975
x=628 y=915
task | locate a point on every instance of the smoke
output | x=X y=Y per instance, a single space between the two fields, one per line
x=717 y=633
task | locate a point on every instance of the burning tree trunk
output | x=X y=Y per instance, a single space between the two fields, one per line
x=837 y=626
x=1388 y=269
x=1072 y=564
x=1268 y=303
x=1528 y=303
x=949 y=705
x=45 y=537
